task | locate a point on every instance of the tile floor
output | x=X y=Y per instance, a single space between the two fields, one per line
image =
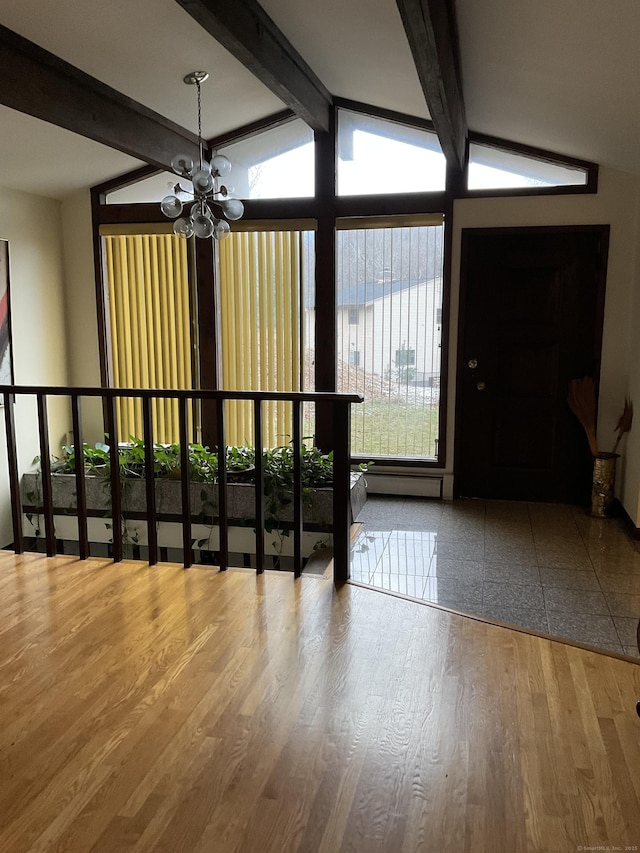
x=542 y=566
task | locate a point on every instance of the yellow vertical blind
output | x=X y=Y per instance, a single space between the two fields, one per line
x=149 y=317
x=262 y=335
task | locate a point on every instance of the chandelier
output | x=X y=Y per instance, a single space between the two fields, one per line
x=207 y=190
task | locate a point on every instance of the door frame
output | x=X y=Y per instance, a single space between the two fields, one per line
x=466 y=233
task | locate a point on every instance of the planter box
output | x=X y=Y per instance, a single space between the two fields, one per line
x=317 y=510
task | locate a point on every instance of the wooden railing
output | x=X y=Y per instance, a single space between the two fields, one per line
x=339 y=403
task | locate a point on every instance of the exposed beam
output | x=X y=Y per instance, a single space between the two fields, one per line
x=249 y=34
x=432 y=33
x=36 y=82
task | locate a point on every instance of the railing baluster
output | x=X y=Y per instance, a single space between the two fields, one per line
x=297 y=490
x=259 y=486
x=116 y=497
x=150 y=483
x=14 y=476
x=341 y=491
x=223 y=524
x=187 y=549
x=81 y=486
x=45 y=466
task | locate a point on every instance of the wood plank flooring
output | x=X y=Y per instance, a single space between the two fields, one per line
x=157 y=709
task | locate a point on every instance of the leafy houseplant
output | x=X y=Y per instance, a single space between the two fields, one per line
x=277 y=465
x=582 y=402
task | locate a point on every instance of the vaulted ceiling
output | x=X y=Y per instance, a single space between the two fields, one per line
x=562 y=76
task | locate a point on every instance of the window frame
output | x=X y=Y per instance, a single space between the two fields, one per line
x=326 y=207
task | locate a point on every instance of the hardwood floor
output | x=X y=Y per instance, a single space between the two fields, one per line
x=157 y=709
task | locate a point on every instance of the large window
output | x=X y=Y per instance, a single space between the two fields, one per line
x=277 y=163
x=388 y=281
x=377 y=156
x=496 y=168
x=267 y=306
x=392 y=274
x=149 y=317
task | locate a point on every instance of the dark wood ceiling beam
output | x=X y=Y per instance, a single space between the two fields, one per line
x=432 y=34
x=36 y=82
x=250 y=35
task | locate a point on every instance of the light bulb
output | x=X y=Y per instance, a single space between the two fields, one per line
x=202 y=181
x=182 y=165
x=233 y=208
x=221 y=230
x=171 y=206
x=183 y=227
x=202 y=225
x=221 y=165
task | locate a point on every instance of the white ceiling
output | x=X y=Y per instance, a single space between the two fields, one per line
x=559 y=75
x=563 y=76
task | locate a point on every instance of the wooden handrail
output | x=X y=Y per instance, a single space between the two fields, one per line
x=183 y=394
x=340 y=404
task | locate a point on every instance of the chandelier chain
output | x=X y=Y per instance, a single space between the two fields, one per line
x=200 y=124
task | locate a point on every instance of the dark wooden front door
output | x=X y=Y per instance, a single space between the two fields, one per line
x=531 y=320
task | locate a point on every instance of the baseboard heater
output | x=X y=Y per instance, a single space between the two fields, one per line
x=411 y=484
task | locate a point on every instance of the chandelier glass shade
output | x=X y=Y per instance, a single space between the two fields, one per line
x=208 y=204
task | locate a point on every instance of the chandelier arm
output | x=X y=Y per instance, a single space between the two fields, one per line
x=205 y=180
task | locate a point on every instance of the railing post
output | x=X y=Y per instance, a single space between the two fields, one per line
x=45 y=466
x=223 y=526
x=341 y=491
x=297 y=490
x=14 y=476
x=259 y=486
x=81 y=486
x=114 y=459
x=150 y=483
x=187 y=549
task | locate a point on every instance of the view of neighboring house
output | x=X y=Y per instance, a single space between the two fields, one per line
x=392 y=329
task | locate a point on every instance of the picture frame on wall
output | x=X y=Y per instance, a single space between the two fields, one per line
x=6 y=347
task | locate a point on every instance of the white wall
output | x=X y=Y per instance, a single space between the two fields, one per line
x=82 y=324
x=32 y=225
x=615 y=204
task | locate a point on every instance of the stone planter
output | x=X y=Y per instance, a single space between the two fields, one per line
x=318 y=511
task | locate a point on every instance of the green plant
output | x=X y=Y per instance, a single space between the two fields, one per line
x=278 y=474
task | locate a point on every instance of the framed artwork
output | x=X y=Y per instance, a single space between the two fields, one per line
x=6 y=354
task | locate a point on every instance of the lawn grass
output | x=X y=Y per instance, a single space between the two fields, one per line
x=382 y=428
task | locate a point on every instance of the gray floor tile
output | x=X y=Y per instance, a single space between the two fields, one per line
x=382 y=511
x=471 y=607
x=459 y=549
x=513 y=572
x=511 y=511
x=578 y=601
x=627 y=584
x=569 y=557
x=446 y=567
x=453 y=589
x=392 y=561
x=569 y=578
x=627 y=627
x=632 y=651
x=404 y=584
x=483 y=558
x=367 y=551
x=623 y=605
x=585 y=628
x=617 y=564
x=506 y=553
x=526 y=617
x=513 y=595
